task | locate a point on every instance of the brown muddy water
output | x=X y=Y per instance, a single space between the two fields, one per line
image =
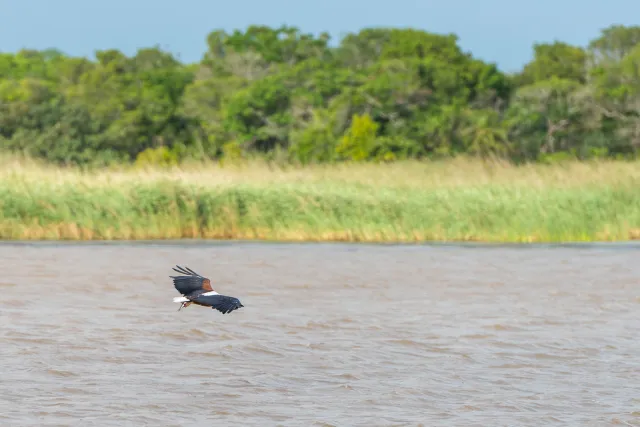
x=330 y=335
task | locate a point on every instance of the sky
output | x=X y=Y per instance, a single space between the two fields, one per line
x=499 y=31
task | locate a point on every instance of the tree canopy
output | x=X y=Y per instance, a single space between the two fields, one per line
x=381 y=94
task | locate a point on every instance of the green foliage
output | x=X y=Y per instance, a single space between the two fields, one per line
x=281 y=93
x=313 y=143
x=159 y=156
x=390 y=148
x=359 y=141
x=232 y=152
x=557 y=60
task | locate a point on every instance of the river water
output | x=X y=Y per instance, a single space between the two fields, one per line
x=330 y=335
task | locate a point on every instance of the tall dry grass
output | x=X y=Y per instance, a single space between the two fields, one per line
x=453 y=200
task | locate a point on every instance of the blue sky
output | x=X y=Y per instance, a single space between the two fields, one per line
x=501 y=31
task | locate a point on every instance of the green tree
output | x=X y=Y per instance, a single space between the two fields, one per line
x=559 y=60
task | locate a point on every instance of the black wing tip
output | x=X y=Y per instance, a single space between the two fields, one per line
x=231 y=308
x=185 y=270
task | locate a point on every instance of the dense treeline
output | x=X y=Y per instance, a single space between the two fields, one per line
x=381 y=94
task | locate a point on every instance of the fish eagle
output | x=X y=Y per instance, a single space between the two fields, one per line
x=196 y=289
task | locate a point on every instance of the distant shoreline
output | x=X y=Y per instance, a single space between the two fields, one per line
x=212 y=243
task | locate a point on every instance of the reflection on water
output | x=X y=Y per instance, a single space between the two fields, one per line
x=331 y=335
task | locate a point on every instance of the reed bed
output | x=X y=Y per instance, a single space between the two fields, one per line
x=456 y=200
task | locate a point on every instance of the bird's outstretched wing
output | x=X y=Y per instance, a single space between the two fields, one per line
x=222 y=303
x=190 y=282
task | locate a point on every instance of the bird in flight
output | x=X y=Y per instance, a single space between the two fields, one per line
x=196 y=289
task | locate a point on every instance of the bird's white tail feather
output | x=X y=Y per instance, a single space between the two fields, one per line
x=180 y=299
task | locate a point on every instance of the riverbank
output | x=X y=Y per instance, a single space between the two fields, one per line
x=458 y=200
